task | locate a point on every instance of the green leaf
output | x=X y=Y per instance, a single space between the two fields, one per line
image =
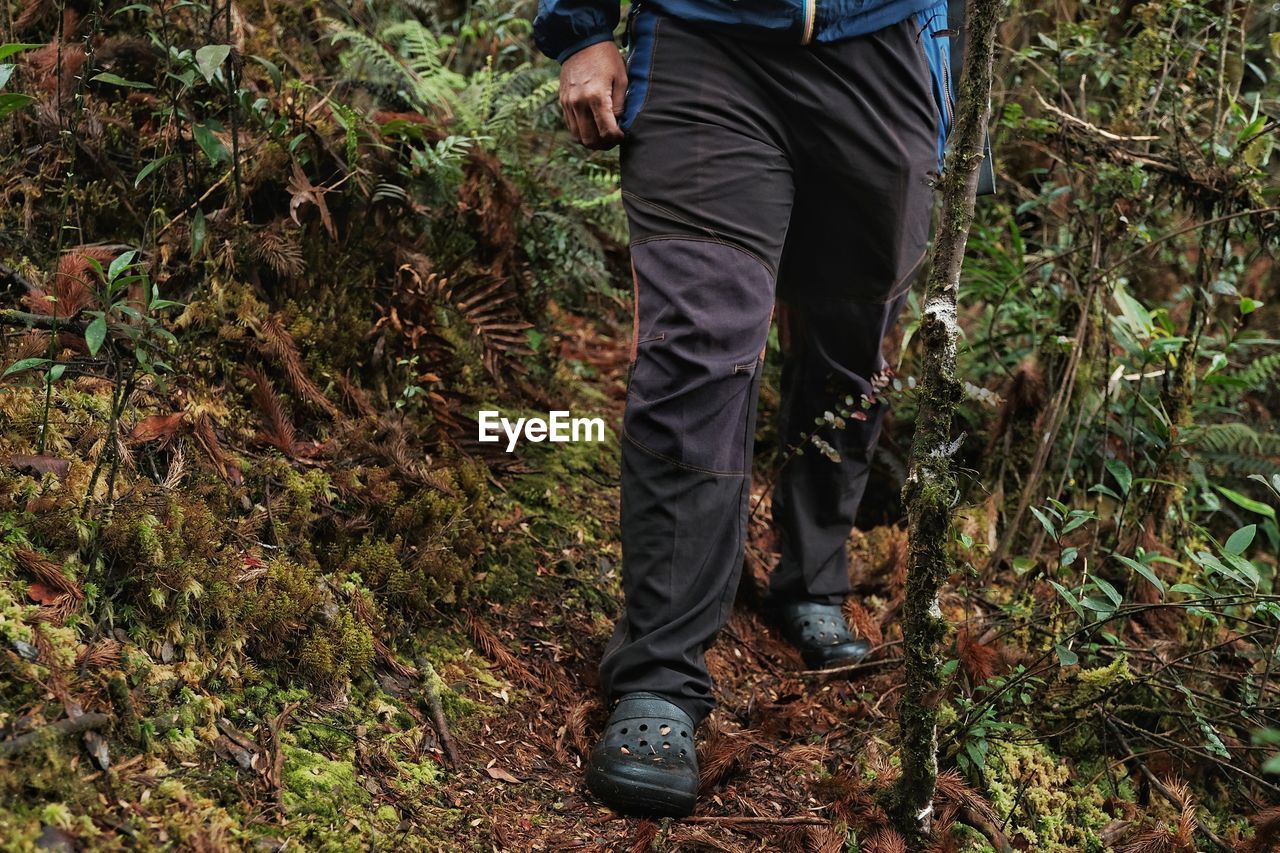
x=1069 y=598
x=117 y=80
x=120 y=263
x=1066 y=657
x=197 y=233
x=6 y=71
x=1022 y=565
x=55 y=372
x=1145 y=571
x=8 y=50
x=210 y=58
x=11 y=102
x=1109 y=591
x=1121 y=472
x=1240 y=540
x=96 y=334
x=209 y=144
x=24 y=364
x=975 y=754
x=1247 y=503
x=1098 y=605
x=272 y=69
x=1045 y=523
x=1245 y=577
x=151 y=167
x=1248 y=306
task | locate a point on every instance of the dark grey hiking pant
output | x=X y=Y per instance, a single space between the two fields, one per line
x=746 y=165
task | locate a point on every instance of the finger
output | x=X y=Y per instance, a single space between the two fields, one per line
x=590 y=137
x=619 y=93
x=606 y=123
x=570 y=121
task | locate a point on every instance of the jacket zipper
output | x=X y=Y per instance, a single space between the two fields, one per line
x=810 y=12
x=946 y=86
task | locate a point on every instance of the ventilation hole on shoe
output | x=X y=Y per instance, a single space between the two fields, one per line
x=644 y=727
x=623 y=749
x=644 y=743
x=664 y=730
x=805 y=623
x=624 y=731
x=684 y=734
x=682 y=752
x=666 y=745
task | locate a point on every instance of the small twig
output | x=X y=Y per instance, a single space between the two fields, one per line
x=852 y=667
x=1091 y=128
x=760 y=656
x=62 y=728
x=432 y=693
x=1159 y=786
x=749 y=820
x=14 y=317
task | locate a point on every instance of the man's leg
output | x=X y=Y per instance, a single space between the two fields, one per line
x=708 y=187
x=857 y=240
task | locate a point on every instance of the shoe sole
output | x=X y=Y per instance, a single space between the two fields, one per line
x=635 y=797
x=820 y=665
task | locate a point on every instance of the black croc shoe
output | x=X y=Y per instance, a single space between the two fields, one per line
x=821 y=633
x=645 y=762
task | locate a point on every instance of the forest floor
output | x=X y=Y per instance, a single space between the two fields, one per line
x=788 y=759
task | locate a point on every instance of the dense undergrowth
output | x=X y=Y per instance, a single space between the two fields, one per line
x=261 y=267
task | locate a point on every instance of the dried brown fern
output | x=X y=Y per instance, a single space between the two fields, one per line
x=884 y=841
x=355 y=397
x=99 y=655
x=575 y=727
x=280 y=432
x=278 y=250
x=486 y=302
x=203 y=429
x=495 y=650
x=646 y=835
x=72 y=286
x=58 y=595
x=1266 y=834
x=277 y=342
x=1158 y=839
x=978 y=660
x=824 y=839
x=862 y=622
x=721 y=753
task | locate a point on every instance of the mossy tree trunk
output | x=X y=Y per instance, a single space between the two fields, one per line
x=930 y=487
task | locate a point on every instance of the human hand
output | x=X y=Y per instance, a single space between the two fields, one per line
x=593 y=85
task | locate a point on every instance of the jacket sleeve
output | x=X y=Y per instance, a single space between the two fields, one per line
x=564 y=27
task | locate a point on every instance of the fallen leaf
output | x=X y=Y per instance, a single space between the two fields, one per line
x=38 y=466
x=155 y=427
x=41 y=594
x=302 y=191
x=502 y=775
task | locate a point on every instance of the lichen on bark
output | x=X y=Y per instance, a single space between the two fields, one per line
x=930 y=486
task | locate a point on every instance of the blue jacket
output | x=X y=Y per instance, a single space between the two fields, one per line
x=564 y=27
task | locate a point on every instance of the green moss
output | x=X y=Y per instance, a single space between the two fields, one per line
x=1035 y=792
x=1092 y=683
x=320 y=786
